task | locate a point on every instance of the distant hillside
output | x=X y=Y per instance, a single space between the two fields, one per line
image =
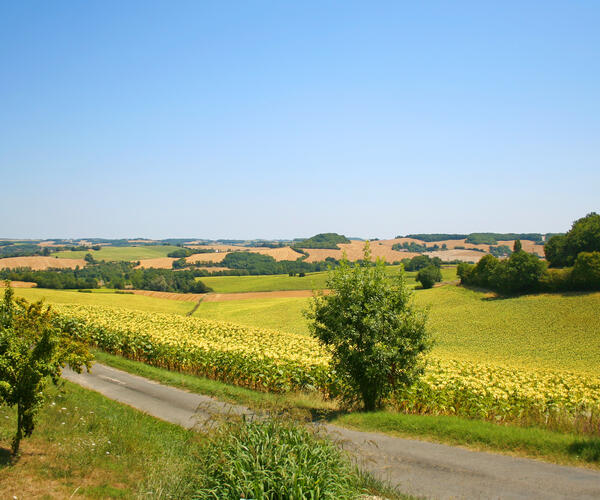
x=477 y=238
x=323 y=240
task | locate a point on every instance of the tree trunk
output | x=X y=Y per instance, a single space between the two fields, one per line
x=19 y=435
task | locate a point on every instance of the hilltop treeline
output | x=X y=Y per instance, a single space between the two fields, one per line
x=248 y=263
x=322 y=240
x=118 y=275
x=477 y=238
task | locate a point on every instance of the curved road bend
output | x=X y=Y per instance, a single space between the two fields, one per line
x=417 y=467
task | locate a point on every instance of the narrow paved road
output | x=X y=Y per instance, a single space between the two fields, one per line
x=417 y=467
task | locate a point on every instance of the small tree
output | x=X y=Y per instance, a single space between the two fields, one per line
x=33 y=351
x=376 y=336
x=429 y=276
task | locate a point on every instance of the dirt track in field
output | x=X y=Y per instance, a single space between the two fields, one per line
x=224 y=297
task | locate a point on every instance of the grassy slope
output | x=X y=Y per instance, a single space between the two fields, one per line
x=532 y=442
x=103 y=297
x=549 y=330
x=88 y=446
x=132 y=253
x=312 y=281
x=558 y=331
x=280 y=314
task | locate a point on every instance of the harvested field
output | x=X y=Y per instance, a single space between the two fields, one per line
x=206 y=257
x=354 y=251
x=528 y=246
x=282 y=253
x=458 y=254
x=158 y=263
x=37 y=263
x=20 y=284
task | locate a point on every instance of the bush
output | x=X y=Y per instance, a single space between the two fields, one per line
x=586 y=271
x=521 y=273
x=273 y=460
x=584 y=236
x=376 y=336
x=557 y=280
x=428 y=276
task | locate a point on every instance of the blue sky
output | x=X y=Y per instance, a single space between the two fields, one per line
x=284 y=119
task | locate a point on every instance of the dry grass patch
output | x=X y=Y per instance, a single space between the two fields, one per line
x=38 y=263
x=158 y=263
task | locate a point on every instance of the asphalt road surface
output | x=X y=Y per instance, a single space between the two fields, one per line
x=417 y=467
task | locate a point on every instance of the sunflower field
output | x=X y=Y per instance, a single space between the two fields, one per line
x=270 y=360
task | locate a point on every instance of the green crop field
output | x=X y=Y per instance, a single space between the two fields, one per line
x=557 y=331
x=132 y=253
x=280 y=313
x=106 y=298
x=279 y=282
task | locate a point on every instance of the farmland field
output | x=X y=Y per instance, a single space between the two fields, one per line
x=277 y=282
x=132 y=253
x=106 y=298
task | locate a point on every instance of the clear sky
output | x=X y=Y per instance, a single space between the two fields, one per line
x=284 y=119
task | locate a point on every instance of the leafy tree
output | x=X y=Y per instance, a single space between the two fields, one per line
x=555 y=251
x=517 y=246
x=428 y=276
x=586 y=271
x=520 y=273
x=584 y=236
x=376 y=336
x=33 y=351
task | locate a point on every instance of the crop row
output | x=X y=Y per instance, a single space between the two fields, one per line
x=275 y=361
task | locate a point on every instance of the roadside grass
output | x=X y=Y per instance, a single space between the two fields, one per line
x=87 y=446
x=532 y=442
x=107 y=298
x=131 y=253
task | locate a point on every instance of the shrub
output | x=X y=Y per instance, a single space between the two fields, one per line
x=586 y=271
x=428 y=276
x=273 y=460
x=557 y=280
x=520 y=273
x=376 y=336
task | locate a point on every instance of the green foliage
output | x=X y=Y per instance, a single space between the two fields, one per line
x=521 y=273
x=500 y=251
x=322 y=240
x=429 y=276
x=112 y=275
x=420 y=262
x=33 y=350
x=179 y=263
x=586 y=271
x=517 y=246
x=494 y=238
x=376 y=336
x=259 y=264
x=273 y=460
x=584 y=236
x=180 y=253
x=555 y=251
x=435 y=237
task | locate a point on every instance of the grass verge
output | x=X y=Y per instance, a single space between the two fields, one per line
x=531 y=442
x=87 y=446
